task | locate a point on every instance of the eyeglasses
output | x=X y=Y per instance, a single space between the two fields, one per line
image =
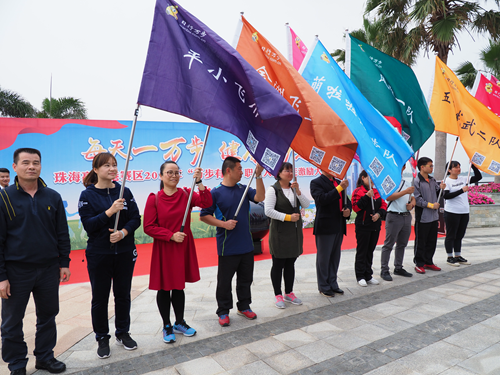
x=172 y=173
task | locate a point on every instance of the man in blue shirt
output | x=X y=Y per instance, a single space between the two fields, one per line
x=234 y=240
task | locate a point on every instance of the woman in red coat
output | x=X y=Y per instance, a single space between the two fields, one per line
x=174 y=261
x=367 y=223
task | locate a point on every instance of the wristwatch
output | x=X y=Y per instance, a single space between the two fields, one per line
x=198 y=182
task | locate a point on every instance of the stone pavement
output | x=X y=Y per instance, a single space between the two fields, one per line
x=444 y=322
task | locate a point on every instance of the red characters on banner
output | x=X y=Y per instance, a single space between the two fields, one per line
x=229 y=150
x=116 y=149
x=174 y=151
x=94 y=149
x=195 y=148
x=139 y=150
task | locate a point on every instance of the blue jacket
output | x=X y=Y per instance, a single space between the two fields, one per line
x=92 y=206
x=33 y=230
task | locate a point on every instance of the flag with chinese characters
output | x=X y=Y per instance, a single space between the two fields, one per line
x=193 y=72
x=456 y=111
x=323 y=139
x=296 y=48
x=487 y=91
x=392 y=88
x=382 y=150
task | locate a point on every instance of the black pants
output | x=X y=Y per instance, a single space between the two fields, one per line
x=242 y=265
x=456 y=225
x=366 y=242
x=425 y=242
x=44 y=284
x=104 y=270
x=328 y=260
x=283 y=267
x=178 y=301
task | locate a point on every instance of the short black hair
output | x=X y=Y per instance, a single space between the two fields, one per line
x=423 y=161
x=360 y=178
x=27 y=150
x=229 y=162
x=4 y=170
x=454 y=164
x=286 y=165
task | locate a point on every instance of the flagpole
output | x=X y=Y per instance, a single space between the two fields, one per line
x=370 y=185
x=448 y=167
x=294 y=180
x=131 y=140
x=468 y=174
x=244 y=195
x=413 y=177
x=194 y=182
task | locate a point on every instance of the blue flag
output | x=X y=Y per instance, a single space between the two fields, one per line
x=381 y=149
x=193 y=72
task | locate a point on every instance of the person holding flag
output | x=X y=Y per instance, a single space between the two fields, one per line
x=174 y=261
x=371 y=210
x=333 y=209
x=234 y=240
x=283 y=202
x=456 y=211
x=426 y=216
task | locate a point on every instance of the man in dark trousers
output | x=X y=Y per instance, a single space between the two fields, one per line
x=333 y=209
x=34 y=258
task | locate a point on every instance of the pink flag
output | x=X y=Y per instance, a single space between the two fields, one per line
x=487 y=91
x=296 y=48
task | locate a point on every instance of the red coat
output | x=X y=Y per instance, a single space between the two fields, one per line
x=172 y=264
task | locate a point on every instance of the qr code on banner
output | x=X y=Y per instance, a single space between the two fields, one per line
x=337 y=165
x=494 y=166
x=406 y=136
x=376 y=167
x=388 y=184
x=478 y=159
x=252 y=142
x=317 y=155
x=270 y=158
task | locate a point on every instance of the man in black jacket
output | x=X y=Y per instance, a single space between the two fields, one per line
x=34 y=258
x=333 y=209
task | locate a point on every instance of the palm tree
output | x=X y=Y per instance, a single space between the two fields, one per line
x=490 y=57
x=432 y=26
x=63 y=108
x=14 y=105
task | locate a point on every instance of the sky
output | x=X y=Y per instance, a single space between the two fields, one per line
x=95 y=50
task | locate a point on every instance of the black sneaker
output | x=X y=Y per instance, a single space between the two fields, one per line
x=103 y=347
x=386 y=275
x=462 y=260
x=402 y=272
x=452 y=262
x=127 y=342
x=328 y=294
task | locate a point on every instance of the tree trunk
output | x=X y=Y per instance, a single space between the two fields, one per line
x=440 y=155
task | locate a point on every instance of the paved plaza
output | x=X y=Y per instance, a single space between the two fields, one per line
x=444 y=322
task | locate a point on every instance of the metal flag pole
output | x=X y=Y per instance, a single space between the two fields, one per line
x=194 y=182
x=294 y=205
x=244 y=194
x=413 y=177
x=131 y=140
x=448 y=167
x=468 y=174
x=370 y=185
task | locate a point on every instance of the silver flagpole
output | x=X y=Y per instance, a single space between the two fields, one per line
x=132 y=132
x=370 y=185
x=244 y=195
x=294 y=180
x=194 y=182
x=448 y=167
x=468 y=174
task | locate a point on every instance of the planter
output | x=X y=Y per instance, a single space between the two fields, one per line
x=485 y=215
x=494 y=196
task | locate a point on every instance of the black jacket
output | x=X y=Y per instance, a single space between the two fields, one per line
x=329 y=218
x=33 y=230
x=92 y=206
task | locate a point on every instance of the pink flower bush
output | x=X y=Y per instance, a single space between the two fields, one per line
x=490 y=187
x=476 y=198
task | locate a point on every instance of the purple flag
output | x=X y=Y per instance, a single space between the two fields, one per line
x=193 y=72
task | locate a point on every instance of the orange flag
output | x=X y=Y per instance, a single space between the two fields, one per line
x=323 y=139
x=456 y=111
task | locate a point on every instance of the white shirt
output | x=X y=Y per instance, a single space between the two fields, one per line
x=399 y=205
x=270 y=202
x=459 y=204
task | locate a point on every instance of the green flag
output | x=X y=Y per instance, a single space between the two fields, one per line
x=392 y=88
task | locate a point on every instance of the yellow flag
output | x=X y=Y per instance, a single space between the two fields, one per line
x=457 y=112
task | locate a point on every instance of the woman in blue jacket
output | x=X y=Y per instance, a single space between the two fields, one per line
x=110 y=255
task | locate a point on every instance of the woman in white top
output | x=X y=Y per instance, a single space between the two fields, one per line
x=456 y=211
x=285 y=232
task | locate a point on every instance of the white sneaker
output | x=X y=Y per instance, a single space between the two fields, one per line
x=362 y=282
x=373 y=281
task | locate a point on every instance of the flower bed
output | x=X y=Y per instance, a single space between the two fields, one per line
x=476 y=198
x=490 y=187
